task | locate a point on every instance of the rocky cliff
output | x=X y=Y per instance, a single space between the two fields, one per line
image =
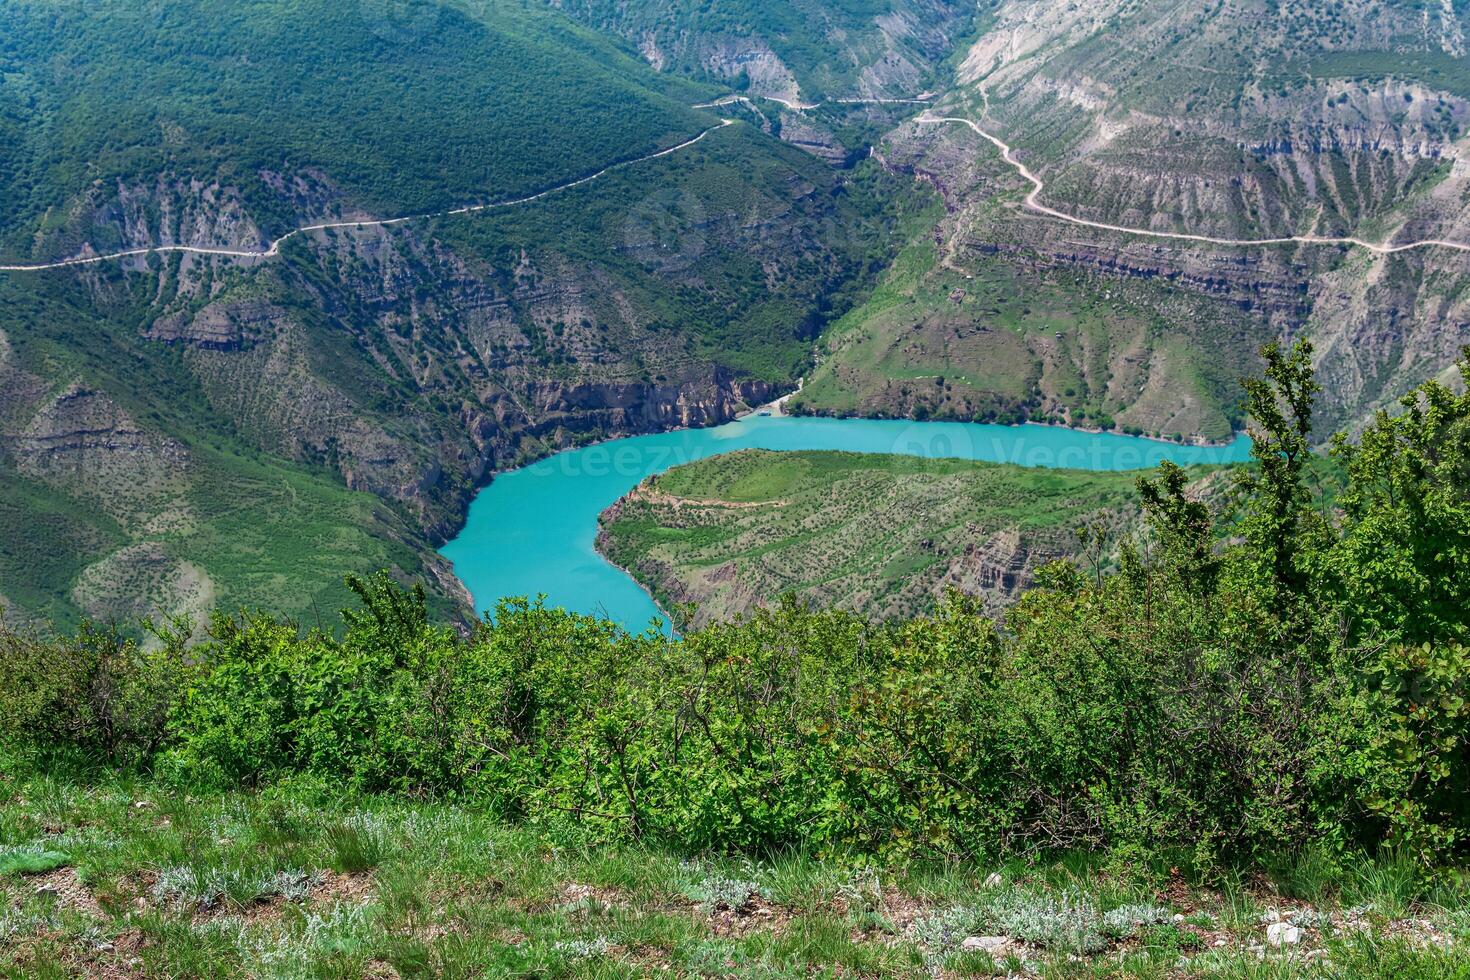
x=404 y=365
x=1238 y=120
x=794 y=52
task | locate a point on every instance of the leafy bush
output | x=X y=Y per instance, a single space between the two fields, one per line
x=1404 y=725
x=96 y=691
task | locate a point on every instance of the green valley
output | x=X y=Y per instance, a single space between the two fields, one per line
x=373 y=373
x=223 y=427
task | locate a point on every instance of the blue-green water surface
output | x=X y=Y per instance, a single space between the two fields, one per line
x=532 y=531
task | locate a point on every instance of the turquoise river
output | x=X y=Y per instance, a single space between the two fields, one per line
x=532 y=531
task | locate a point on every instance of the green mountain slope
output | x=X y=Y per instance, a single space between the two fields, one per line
x=1241 y=120
x=243 y=431
x=882 y=535
x=301 y=110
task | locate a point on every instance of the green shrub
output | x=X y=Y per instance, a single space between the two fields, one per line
x=236 y=722
x=1405 y=730
x=96 y=691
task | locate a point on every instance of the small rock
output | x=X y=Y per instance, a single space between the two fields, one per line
x=986 y=944
x=1178 y=916
x=1281 y=934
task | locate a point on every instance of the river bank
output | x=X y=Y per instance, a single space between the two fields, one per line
x=533 y=531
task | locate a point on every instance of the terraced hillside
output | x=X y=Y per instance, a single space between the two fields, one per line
x=182 y=431
x=1239 y=119
x=883 y=535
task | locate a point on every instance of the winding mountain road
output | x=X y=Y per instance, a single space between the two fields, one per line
x=1007 y=152
x=1038 y=185
x=274 y=248
x=1033 y=202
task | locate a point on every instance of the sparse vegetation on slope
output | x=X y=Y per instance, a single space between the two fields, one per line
x=882 y=535
x=1241 y=120
x=802 y=49
x=998 y=342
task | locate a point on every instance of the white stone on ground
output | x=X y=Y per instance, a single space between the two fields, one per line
x=1282 y=934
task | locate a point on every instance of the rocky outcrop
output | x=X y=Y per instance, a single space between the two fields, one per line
x=800 y=132
x=224 y=325
x=891 y=50
x=80 y=441
x=750 y=59
x=170 y=209
x=1001 y=567
x=644 y=408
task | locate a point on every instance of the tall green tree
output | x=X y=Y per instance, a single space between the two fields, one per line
x=1278 y=520
x=1402 y=565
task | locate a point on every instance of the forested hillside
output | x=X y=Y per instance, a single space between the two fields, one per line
x=208 y=122
x=179 y=430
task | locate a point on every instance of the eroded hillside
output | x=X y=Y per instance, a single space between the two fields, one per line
x=201 y=430
x=797 y=52
x=1240 y=120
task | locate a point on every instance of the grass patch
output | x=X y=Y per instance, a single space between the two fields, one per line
x=30 y=861
x=240 y=884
